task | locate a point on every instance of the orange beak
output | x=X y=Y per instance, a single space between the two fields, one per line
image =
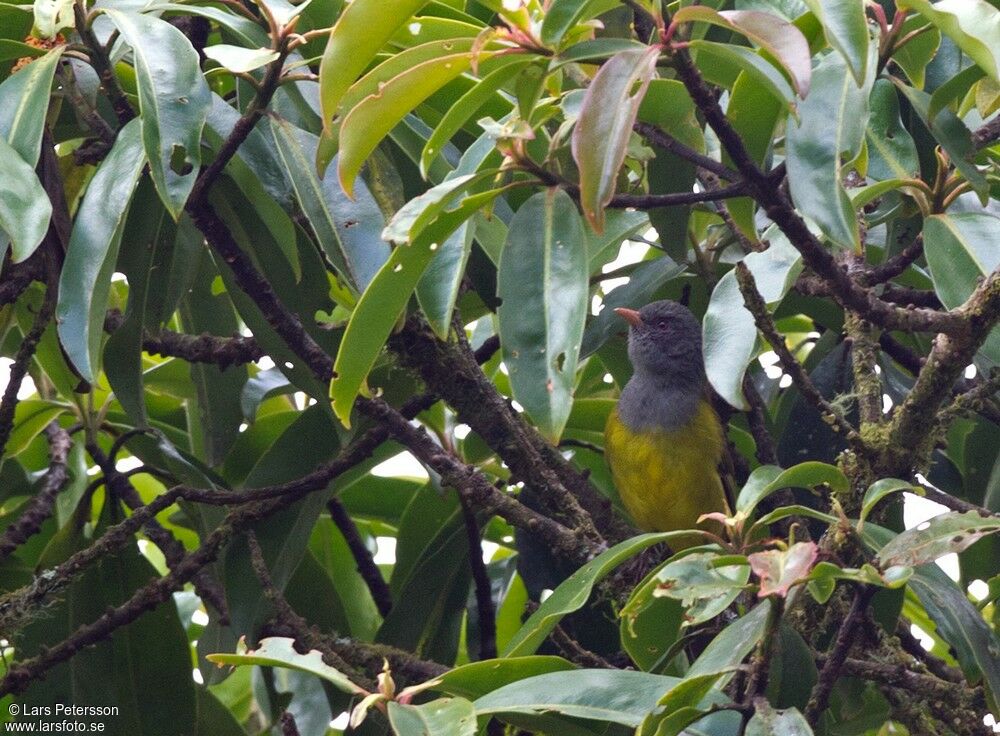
x=629 y=315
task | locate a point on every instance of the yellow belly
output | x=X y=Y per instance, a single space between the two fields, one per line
x=667 y=479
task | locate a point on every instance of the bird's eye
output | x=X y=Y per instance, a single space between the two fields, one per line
x=662 y=324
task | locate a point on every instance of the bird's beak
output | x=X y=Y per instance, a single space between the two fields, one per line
x=629 y=315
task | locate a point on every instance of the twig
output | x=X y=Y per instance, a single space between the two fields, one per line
x=894 y=266
x=653 y=201
x=481 y=582
x=987 y=134
x=955 y=504
x=848 y=293
x=102 y=65
x=577 y=653
x=833 y=665
x=287 y=724
x=221 y=351
x=767 y=453
x=758 y=308
x=40 y=508
x=760 y=664
x=661 y=138
x=362 y=556
x=19 y=368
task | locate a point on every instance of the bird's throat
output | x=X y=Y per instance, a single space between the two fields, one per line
x=651 y=402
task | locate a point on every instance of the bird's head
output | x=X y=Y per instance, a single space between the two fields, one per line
x=664 y=340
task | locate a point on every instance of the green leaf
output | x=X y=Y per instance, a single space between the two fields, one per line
x=604 y=126
x=173 y=102
x=542 y=282
x=732 y=646
x=892 y=154
x=278 y=651
x=372 y=119
x=442 y=717
x=438 y=288
x=85 y=279
x=464 y=108
x=562 y=15
x=879 y=490
x=24 y=102
x=614 y=696
x=974 y=26
x=769 y=722
x=918 y=52
x=778 y=37
x=954 y=89
x=846 y=30
x=384 y=301
x=767 y=479
x=722 y=63
x=25 y=209
x=356 y=261
x=573 y=593
x=360 y=31
x=30 y=418
x=704 y=586
x=832 y=123
x=678 y=707
x=619 y=225
x=240 y=59
x=953 y=136
x=951 y=532
x=649 y=625
x=961 y=250
x=478 y=678
x=729 y=333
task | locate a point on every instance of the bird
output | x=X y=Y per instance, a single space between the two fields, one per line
x=664 y=442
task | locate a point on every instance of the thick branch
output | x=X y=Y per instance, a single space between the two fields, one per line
x=659 y=137
x=481 y=582
x=987 y=134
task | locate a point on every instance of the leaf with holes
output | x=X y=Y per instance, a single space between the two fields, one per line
x=951 y=532
x=173 y=103
x=542 y=282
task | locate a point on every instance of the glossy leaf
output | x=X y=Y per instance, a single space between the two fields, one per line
x=173 y=102
x=767 y=479
x=703 y=585
x=573 y=593
x=384 y=300
x=360 y=31
x=25 y=209
x=944 y=534
x=372 y=119
x=974 y=26
x=93 y=249
x=240 y=59
x=24 y=98
x=442 y=717
x=604 y=126
x=961 y=250
x=879 y=490
x=279 y=651
x=615 y=696
x=729 y=334
x=438 y=288
x=729 y=648
x=777 y=36
x=562 y=15
x=542 y=282
x=475 y=679
x=846 y=29
x=769 y=722
x=714 y=58
x=30 y=418
x=892 y=154
x=832 y=124
x=650 y=625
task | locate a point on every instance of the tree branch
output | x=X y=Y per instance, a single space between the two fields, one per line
x=661 y=138
x=362 y=556
x=19 y=368
x=481 y=583
x=762 y=318
x=41 y=506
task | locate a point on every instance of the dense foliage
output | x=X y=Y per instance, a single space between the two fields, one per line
x=255 y=249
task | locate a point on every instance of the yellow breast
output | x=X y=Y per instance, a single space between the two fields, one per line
x=667 y=479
